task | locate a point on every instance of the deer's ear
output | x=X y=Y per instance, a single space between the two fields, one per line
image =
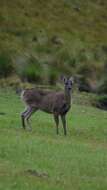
x=63 y=78
x=71 y=79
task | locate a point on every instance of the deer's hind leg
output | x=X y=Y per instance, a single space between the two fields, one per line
x=56 y=118
x=23 y=115
x=31 y=111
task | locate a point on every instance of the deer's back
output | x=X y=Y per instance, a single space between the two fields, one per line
x=33 y=96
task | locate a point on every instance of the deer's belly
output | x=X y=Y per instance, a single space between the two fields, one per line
x=46 y=110
x=46 y=107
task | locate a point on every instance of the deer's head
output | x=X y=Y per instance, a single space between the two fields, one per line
x=68 y=82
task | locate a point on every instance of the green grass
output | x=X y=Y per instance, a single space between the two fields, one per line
x=75 y=162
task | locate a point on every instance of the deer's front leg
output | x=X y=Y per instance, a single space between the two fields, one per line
x=56 y=118
x=63 y=118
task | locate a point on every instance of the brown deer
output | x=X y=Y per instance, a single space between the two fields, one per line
x=56 y=103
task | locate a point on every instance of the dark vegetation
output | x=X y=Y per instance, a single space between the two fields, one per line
x=39 y=40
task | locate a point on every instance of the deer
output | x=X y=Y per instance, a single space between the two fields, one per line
x=57 y=103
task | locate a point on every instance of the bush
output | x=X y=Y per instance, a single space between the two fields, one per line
x=53 y=75
x=6 y=67
x=89 y=74
x=29 y=70
x=84 y=85
x=87 y=69
x=101 y=102
x=102 y=88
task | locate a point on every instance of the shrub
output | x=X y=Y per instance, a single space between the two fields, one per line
x=89 y=74
x=30 y=70
x=6 y=66
x=101 y=102
x=102 y=88
x=87 y=69
x=53 y=75
x=84 y=85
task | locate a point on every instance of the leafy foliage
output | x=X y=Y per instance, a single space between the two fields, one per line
x=101 y=102
x=6 y=66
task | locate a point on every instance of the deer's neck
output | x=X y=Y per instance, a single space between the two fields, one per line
x=68 y=96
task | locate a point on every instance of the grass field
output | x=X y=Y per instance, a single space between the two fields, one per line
x=41 y=160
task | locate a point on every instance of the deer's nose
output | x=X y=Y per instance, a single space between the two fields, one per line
x=69 y=88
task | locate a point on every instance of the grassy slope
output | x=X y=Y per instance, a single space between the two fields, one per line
x=21 y=21
x=75 y=162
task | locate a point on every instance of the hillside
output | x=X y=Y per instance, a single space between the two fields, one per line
x=66 y=30
x=80 y=21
